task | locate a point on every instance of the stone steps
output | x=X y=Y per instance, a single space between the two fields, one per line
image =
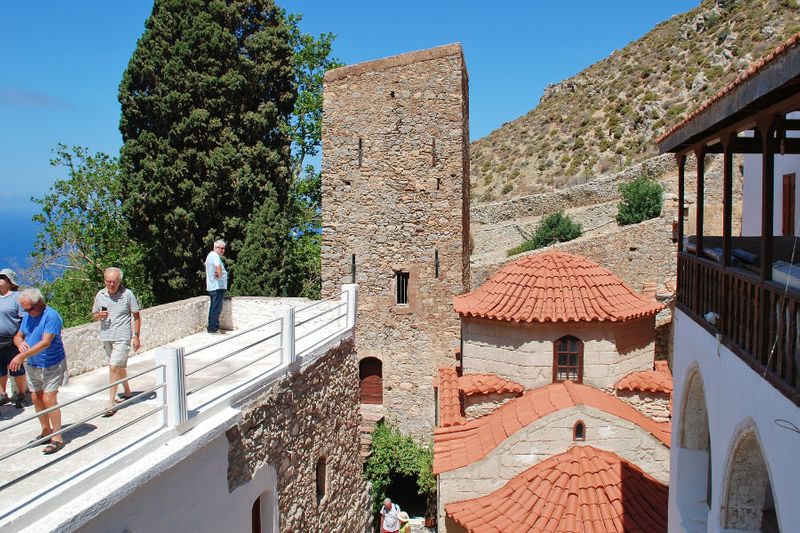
x=370 y=416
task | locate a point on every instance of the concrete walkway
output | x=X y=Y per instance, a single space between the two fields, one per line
x=98 y=440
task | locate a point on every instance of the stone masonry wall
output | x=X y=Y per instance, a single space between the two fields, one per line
x=304 y=417
x=551 y=436
x=161 y=325
x=650 y=404
x=395 y=193
x=524 y=352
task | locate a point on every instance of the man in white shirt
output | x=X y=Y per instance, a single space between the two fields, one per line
x=389 y=521
x=216 y=284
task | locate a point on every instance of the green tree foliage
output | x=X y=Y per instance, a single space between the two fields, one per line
x=83 y=232
x=396 y=454
x=555 y=227
x=641 y=200
x=205 y=99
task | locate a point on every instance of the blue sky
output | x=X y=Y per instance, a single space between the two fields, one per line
x=61 y=62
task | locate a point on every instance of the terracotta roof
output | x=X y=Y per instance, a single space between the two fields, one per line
x=657 y=380
x=754 y=69
x=582 y=490
x=472 y=384
x=449 y=398
x=459 y=445
x=554 y=286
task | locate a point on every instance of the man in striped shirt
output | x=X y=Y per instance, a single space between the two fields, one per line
x=115 y=306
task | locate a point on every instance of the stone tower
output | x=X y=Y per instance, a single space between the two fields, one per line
x=395 y=214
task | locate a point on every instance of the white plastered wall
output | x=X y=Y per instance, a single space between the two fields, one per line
x=193 y=496
x=735 y=395
x=524 y=352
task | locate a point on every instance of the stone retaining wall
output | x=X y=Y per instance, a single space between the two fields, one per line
x=303 y=418
x=161 y=325
x=601 y=190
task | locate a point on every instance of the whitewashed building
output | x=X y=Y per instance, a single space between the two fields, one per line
x=736 y=415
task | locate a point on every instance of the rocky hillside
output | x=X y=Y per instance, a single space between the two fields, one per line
x=607 y=117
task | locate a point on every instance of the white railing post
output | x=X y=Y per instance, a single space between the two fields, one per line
x=288 y=355
x=174 y=394
x=350 y=296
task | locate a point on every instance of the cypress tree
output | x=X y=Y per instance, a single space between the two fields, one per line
x=205 y=100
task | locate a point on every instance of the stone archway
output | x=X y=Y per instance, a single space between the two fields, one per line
x=693 y=456
x=748 y=504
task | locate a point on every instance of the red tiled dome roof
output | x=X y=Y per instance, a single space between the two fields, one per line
x=657 y=380
x=554 y=286
x=464 y=442
x=473 y=384
x=581 y=490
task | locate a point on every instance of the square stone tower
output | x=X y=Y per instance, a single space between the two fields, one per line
x=395 y=216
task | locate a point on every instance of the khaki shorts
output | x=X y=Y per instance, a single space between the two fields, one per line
x=117 y=352
x=47 y=379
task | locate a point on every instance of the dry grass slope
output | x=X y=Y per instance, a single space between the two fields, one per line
x=607 y=117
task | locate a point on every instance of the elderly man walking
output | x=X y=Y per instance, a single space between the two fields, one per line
x=216 y=284
x=42 y=352
x=114 y=306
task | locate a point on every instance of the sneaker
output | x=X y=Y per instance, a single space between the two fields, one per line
x=19 y=400
x=4 y=399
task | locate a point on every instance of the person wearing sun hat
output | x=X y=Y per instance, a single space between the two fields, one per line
x=10 y=318
x=405 y=525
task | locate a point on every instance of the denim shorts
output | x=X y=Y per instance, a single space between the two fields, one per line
x=7 y=353
x=47 y=379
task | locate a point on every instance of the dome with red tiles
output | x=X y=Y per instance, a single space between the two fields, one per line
x=658 y=380
x=554 y=286
x=475 y=384
x=584 y=489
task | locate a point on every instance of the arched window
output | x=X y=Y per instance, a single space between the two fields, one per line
x=370 y=375
x=579 y=431
x=568 y=360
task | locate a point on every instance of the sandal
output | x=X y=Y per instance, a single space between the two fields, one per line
x=39 y=436
x=109 y=413
x=53 y=447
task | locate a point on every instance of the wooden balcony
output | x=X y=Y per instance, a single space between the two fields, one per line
x=757 y=319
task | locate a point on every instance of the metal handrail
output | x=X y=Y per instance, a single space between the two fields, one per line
x=49 y=410
x=329 y=322
x=337 y=295
x=250 y=362
x=235 y=352
x=83 y=420
x=229 y=337
x=334 y=308
x=63 y=456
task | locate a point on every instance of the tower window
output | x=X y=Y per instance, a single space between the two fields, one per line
x=360 y=151
x=321 y=481
x=401 y=286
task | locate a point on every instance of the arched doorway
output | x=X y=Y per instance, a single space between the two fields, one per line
x=370 y=375
x=695 y=483
x=749 y=503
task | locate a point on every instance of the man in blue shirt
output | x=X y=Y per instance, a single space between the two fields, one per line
x=42 y=352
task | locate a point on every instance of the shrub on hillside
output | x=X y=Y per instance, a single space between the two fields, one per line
x=641 y=200
x=555 y=227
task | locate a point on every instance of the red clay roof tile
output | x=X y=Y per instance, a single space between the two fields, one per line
x=754 y=69
x=472 y=384
x=657 y=380
x=459 y=444
x=629 y=500
x=554 y=286
x=449 y=398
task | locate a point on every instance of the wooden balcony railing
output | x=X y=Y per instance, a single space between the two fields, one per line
x=757 y=320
